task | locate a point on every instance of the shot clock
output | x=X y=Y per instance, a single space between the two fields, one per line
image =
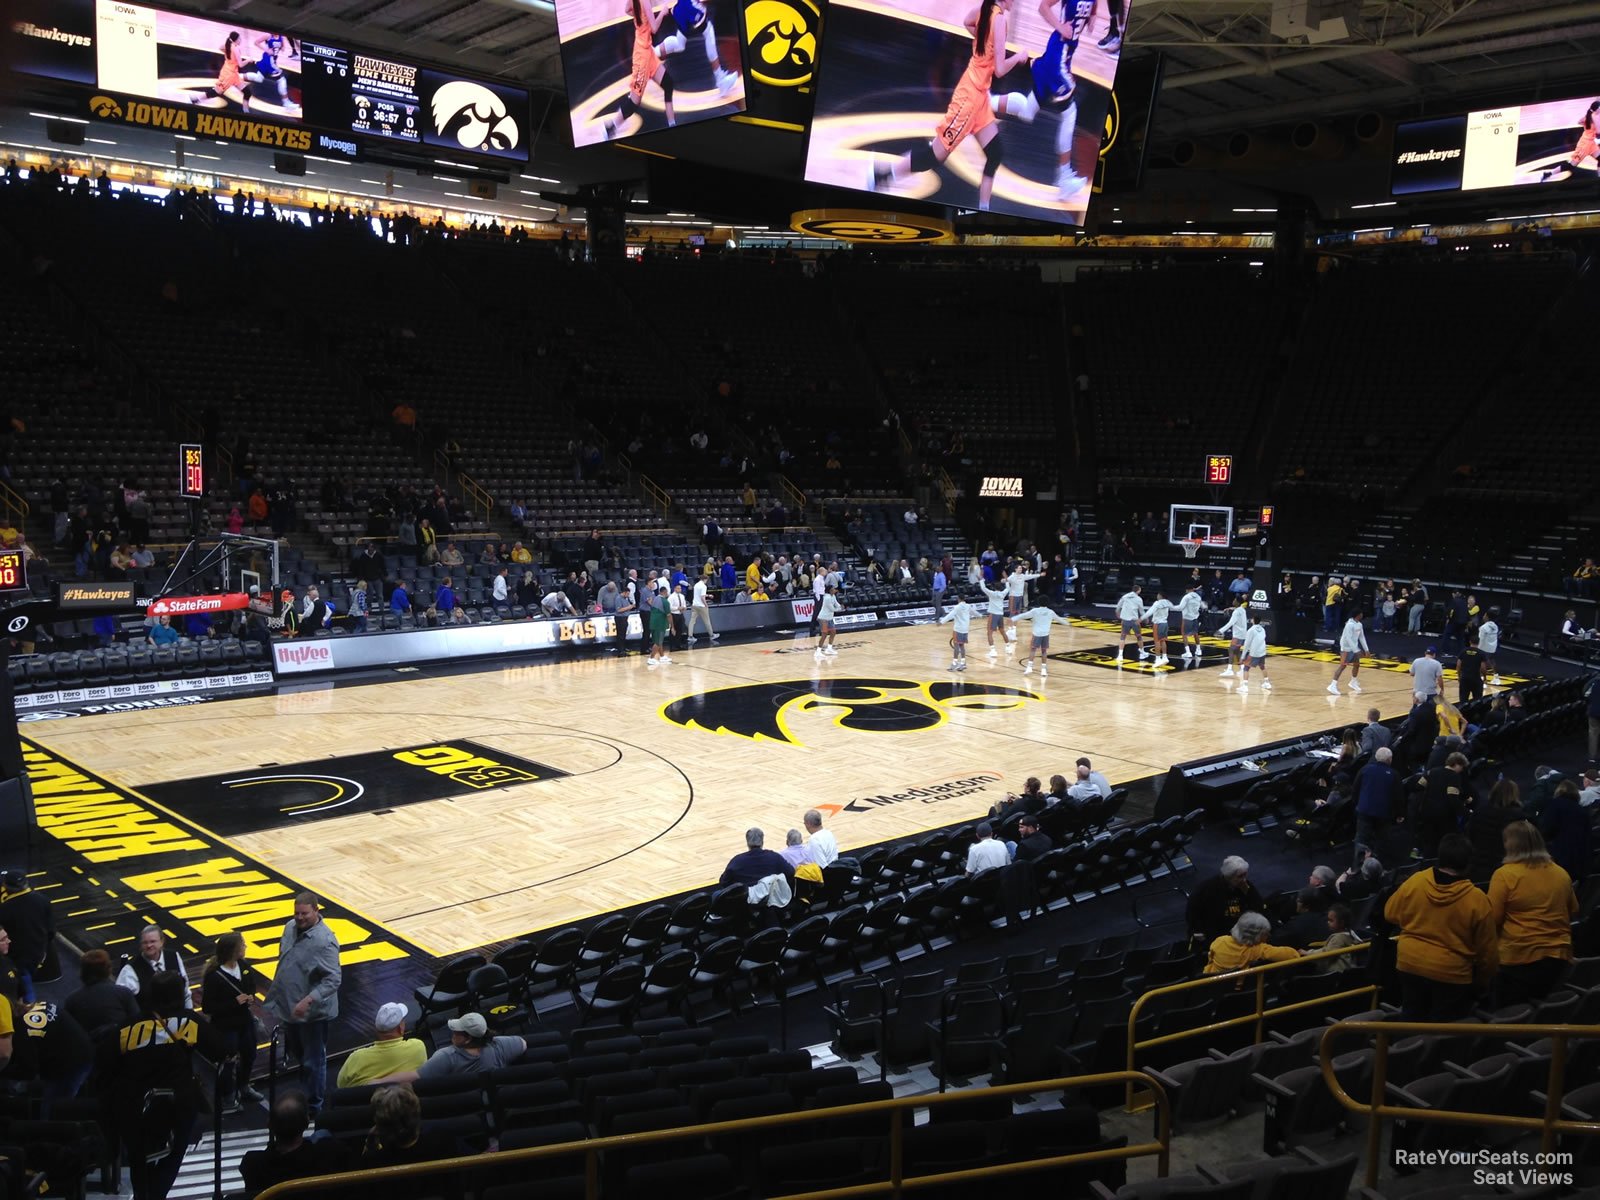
x=191 y=471
x=13 y=570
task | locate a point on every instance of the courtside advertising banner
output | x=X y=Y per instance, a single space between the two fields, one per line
x=911 y=103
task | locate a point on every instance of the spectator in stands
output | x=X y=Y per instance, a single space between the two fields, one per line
x=1032 y=800
x=756 y=863
x=556 y=604
x=528 y=591
x=1220 y=901
x=795 y=850
x=99 y=1005
x=228 y=991
x=1374 y=734
x=1032 y=843
x=444 y=602
x=1083 y=788
x=1573 y=630
x=1446 y=949
x=747 y=497
x=162 y=633
x=519 y=512
x=824 y=846
x=1358 y=883
x=399 y=598
x=1566 y=829
x=427 y=542
x=288 y=1155
x=1545 y=781
x=1100 y=782
x=1583 y=580
x=500 y=592
x=156 y=1052
x=1321 y=882
x=1240 y=588
x=1246 y=944
x=1589 y=791
x=1486 y=828
x=153 y=957
x=1441 y=800
x=986 y=853
x=711 y=535
x=521 y=555
x=397 y=1139
x=451 y=556
x=305 y=993
x=1339 y=934
x=1533 y=906
x=1309 y=923
x=470 y=1052
x=729 y=578
x=391 y=1050
x=142 y=558
x=1416 y=606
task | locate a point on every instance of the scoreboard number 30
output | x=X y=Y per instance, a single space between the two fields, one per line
x=191 y=471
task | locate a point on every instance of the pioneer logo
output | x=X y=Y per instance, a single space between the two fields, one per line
x=302 y=655
x=1426 y=156
x=1000 y=487
x=29 y=29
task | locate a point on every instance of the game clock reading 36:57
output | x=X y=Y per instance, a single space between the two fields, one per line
x=13 y=570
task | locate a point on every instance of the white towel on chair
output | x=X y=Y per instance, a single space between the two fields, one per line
x=774 y=889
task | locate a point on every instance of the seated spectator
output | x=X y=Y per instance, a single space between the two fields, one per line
x=1589 y=786
x=756 y=863
x=1083 y=788
x=1583 y=581
x=162 y=633
x=1057 y=792
x=1032 y=800
x=521 y=554
x=143 y=557
x=487 y=556
x=390 y=1051
x=795 y=851
x=1309 y=923
x=1247 y=944
x=470 y=1051
x=1573 y=629
x=742 y=596
x=288 y=1154
x=759 y=594
x=1321 y=882
x=1533 y=906
x=1219 y=902
x=1032 y=843
x=986 y=853
x=1340 y=935
x=824 y=846
x=451 y=557
x=396 y=1140
x=1101 y=783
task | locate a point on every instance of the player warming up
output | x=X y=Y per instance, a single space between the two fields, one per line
x=1189 y=612
x=1041 y=619
x=1017 y=595
x=1234 y=630
x=1255 y=654
x=1352 y=645
x=1489 y=644
x=230 y=84
x=647 y=68
x=968 y=114
x=997 y=615
x=1588 y=146
x=1157 y=614
x=826 y=609
x=694 y=21
x=961 y=617
x=1130 y=611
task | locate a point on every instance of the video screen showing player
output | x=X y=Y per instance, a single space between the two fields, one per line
x=997 y=105
x=186 y=59
x=1559 y=141
x=637 y=66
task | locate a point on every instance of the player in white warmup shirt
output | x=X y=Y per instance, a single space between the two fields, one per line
x=1255 y=654
x=826 y=611
x=961 y=616
x=1130 y=611
x=1041 y=618
x=997 y=614
x=1157 y=615
x=1017 y=596
x=1352 y=645
x=1189 y=610
x=1489 y=643
x=1234 y=629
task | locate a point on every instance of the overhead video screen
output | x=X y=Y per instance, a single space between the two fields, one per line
x=184 y=59
x=53 y=39
x=1519 y=145
x=634 y=67
x=1000 y=107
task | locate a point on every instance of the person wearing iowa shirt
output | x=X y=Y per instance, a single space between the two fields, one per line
x=156 y=1053
x=1446 y=949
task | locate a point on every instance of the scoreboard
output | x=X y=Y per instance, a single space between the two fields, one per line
x=191 y=471
x=13 y=570
x=1219 y=469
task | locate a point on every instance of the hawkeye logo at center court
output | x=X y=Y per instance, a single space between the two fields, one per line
x=778 y=712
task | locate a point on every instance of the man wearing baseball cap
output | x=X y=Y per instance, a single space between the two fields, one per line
x=391 y=1049
x=471 y=1050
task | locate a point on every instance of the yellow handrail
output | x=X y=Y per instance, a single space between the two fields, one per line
x=796 y=498
x=659 y=497
x=474 y=494
x=947 y=488
x=15 y=506
x=1258 y=1018
x=895 y=1185
x=1376 y=1110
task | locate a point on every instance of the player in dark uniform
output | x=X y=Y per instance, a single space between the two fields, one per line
x=694 y=20
x=266 y=70
x=1054 y=86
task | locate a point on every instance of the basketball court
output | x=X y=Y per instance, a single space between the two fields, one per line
x=439 y=812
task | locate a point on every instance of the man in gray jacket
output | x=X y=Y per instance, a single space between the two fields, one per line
x=305 y=994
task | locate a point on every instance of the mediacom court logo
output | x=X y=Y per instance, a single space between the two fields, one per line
x=923 y=793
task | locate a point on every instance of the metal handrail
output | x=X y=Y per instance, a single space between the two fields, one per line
x=16 y=507
x=796 y=498
x=1376 y=1110
x=659 y=496
x=897 y=1109
x=947 y=489
x=1258 y=1018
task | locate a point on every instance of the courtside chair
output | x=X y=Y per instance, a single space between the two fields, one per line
x=667 y=982
x=801 y=948
x=688 y=917
x=554 y=964
x=447 y=993
x=647 y=931
x=614 y=994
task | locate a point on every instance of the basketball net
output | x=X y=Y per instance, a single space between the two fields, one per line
x=1190 y=547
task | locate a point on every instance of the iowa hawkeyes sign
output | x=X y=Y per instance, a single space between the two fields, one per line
x=777 y=712
x=856 y=225
x=783 y=41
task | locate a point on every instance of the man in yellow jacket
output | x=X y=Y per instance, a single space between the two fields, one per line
x=1446 y=949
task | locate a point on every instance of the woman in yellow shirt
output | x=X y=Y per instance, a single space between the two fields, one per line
x=1532 y=903
x=1246 y=945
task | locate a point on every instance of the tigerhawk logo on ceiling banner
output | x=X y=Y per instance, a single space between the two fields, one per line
x=783 y=40
x=778 y=712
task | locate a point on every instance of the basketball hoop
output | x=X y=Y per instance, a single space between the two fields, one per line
x=1191 y=547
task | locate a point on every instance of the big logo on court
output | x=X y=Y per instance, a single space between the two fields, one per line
x=777 y=712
